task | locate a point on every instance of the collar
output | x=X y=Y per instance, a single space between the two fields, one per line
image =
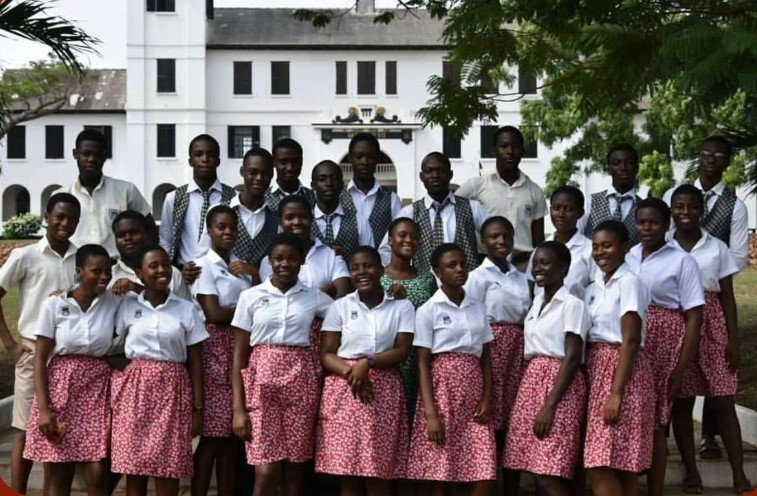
x=275 y=187
x=192 y=186
x=578 y=239
x=351 y=187
x=318 y=214
x=428 y=201
x=599 y=277
x=82 y=189
x=717 y=189
x=143 y=302
x=631 y=193
x=122 y=266
x=637 y=249
x=44 y=245
x=64 y=296
x=518 y=182
x=269 y=288
x=701 y=241
x=354 y=297
x=560 y=295
x=489 y=265
x=216 y=259
x=441 y=297
x=235 y=202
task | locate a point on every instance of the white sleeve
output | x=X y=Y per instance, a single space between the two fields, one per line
x=585 y=217
x=690 y=284
x=205 y=283
x=243 y=316
x=166 y=229
x=340 y=268
x=475 y=287
x=396 y=205
x=385 y=251
x=180 y=289
x=124 y=310
x=728 y=265
x=424 y=327
x=136 y=201
x=332 y=322
x=195 y=331
x=488 y=334
x=633 y=297
x=407 y=318
x=668 y=196
x=470 y=188
x=265 y=271
x=46 y=322
x=739 y=240
x=575 y=317
x=325 y=303
x=480 y=214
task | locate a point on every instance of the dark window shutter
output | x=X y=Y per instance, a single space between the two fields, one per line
x=243 y=78
x=487 y=135
x=526 y=82
x=279 y=78
x=341 y=78
x=366 y=78
x=53 y=141
x=391 y=77
x=16 y=142
x=451 y=144
x=166 y=76
x=167 y=140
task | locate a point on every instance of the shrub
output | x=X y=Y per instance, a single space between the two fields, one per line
x=22 y=226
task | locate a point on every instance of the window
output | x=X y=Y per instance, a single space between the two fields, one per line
x=16 y=142
x=341 y=78
x=451 y=73
x=529 y=151
x=280 y=132
x=106 y=131
x=487 y=149
x=161 y=6
x=489 y=85
x=391 y=77
x=279 y=78
x=366 y=78
x=450 y=144
x=53 y=141
x=243 y=78
x=167 y=140
x=166 y=76
x=241 y=139
x=526 y=83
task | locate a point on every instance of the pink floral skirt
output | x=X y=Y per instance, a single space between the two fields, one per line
x=626 y=445
x=507 y=370
x=217 y=355
x=362 y=440
x=557 y=454
x=664 y=339
x=79 y=391
x=469 y=452
x=282 y=393
x=709 y=374
x=152 y=420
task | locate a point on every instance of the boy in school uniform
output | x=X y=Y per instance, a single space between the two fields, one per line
x=335 y=222
x=101 y=197
x=287 y=159
x=618 y=202
x=184 y=209
x=38 y=269
x=375 y=206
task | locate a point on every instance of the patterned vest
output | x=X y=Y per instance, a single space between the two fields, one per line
x=381 y=215
x=600 y=212
x=465 y=234
x=347 y=237
x=252 y=250
x=180 y=206
x=718 y=219
x=273 y=198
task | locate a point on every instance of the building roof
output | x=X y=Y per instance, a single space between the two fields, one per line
x=102 y=90
x=278 y=29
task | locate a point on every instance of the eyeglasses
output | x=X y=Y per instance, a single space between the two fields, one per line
x=716 y=155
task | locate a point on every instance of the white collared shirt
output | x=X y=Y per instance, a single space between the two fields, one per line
x=582 y=266
x=215 y=279
x=364 y=203
x=160 y=333
x=322 y=266
x=544 y=333
x=627 y=200
x=122 y=271
x=301 y=188
x=98 y=210
x=252 y=221
x=366 y=332
x=738 y=244
x=320 y=219
x=506 y=295
x=442 y=326
x=77 y=332
x=192 y=246
x=521 y=203
x=276 y=318
x=670 y=274
x=609 y=301
x=713 y=258
x=38 y=270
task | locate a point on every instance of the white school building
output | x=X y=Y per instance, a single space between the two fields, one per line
x=250 y=76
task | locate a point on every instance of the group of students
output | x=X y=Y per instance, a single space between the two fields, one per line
x=334 y=330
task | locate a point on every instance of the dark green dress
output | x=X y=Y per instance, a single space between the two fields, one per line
x=419 y=290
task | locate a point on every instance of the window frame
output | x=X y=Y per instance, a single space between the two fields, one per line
x=57 y=140
x=240 y=86
x=281 y=64
x=390 y=77
x=232 y=151
x=340 y=68
x=15 y=133
x=363 y=77
x=165 y=83
x=165 y=127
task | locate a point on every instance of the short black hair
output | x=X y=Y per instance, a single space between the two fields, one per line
x=688 y=189
x=656 y=204
x=441 y=250
x=562 y=252
x=622 y=147
x=509 y=129
x=90 y=250
x=616 y=227
x=217 y=210
x=364 y=137
x=91 y=135
x=129 y=215
x=288 y=143
x=296 y=199
x=571 y=191
x=367 y=250
x=258 y=152
x=209 y=139
x=147 y=249
x=721 y=140
x=63 y=197
x=330 y=163
x=287 y=239
x=496 y=219
x=400 y=220
x=436 y=156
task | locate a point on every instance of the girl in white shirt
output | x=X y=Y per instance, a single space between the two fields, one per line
x=453 y=438
x=712 y=372
x=620 y=413
x=362 y=432
x=674 y=317
x=274 y=378
x=544 y=435
x=157 y=399
x=69 y=422
x=217 y=290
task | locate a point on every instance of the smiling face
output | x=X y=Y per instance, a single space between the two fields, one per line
x=366 y=272
x=687 y=211
x=651 y=227
x=155 y=271
x=96 y=274
x=363 y=158
x=223 y=232
x=296 y=219
x=452 y=269
x=498 y=240
x=90 y=158
x=608 y=250
x=405 y=239
x=285 y=264
x=61 y=222
x=130 y=237
x=257 y=173
x=288 y=164
x=204 y=159
x=546 y=269
x=565 y=212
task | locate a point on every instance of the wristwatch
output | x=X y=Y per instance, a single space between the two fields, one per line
x=371 y=362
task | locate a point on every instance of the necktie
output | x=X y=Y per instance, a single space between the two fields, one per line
x=204 y=211
x=618 y=213
x=707 y=196
x=438 y=237
x=328 y=237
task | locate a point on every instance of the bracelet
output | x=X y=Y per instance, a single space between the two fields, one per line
x=371 y=362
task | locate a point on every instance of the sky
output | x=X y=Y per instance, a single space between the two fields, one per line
x=106 y=20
